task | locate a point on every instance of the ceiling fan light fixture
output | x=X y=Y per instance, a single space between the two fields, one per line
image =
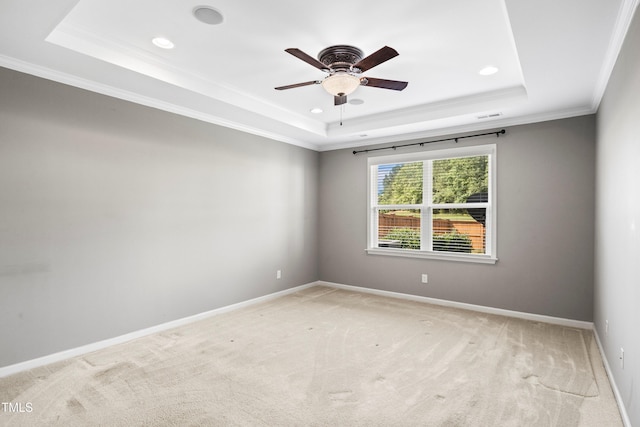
x=341 y=84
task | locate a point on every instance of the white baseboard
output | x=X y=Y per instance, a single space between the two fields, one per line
x=616 y=392
x=480 y=308
x=79 y=351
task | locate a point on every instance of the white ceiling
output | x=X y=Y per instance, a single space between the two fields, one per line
x=554 y=59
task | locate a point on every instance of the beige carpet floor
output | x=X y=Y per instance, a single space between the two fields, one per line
x=328 y=357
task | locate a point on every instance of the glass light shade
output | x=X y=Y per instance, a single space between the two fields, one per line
x=340 y=84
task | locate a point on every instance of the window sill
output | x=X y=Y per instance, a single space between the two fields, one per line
x=480 y=259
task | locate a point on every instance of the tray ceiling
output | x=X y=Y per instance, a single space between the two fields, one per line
x=553 y=60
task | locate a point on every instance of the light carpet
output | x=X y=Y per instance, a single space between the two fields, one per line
x=329 y=357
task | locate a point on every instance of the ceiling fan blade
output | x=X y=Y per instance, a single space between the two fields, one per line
x=383 y=83
x=339 y=99
x=376 y=58
x=314 y=82
x=308 y=59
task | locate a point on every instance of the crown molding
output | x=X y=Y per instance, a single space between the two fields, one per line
x=623 y=21
x=92 y=86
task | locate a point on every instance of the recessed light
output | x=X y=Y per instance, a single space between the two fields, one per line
x=356 y=101
x=316 y=110
x=208 y=15
x=163 y=43
x=489 y=70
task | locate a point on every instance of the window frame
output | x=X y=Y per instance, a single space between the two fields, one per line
x=427 y=206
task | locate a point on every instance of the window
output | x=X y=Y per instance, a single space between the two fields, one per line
x=434 y=204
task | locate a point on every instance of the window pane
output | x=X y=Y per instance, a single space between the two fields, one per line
x=456 y=230
x=461 y=180
x=399 y=229
x=400 y=183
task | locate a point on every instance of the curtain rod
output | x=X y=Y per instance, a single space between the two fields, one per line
x=496 y=133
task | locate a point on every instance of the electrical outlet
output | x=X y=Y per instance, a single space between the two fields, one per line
x=279 y=274
x=606 y=327
x=622 y=357
x=425 y=278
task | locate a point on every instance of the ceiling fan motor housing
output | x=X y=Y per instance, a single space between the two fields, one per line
x=340 y=57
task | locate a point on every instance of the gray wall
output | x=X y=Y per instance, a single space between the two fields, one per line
x=545 y=205
x=116 y=217
x=617 y=260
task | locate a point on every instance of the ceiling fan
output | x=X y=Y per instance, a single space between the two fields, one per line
x=345 y=64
